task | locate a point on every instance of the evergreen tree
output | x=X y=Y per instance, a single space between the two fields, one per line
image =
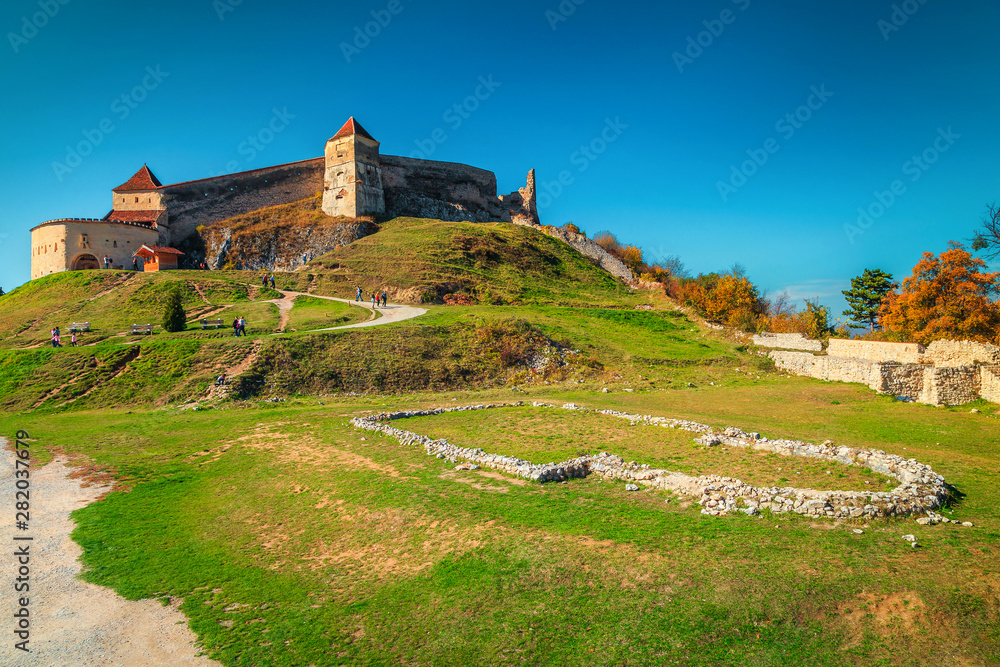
x=174 y=318
x=865 y=297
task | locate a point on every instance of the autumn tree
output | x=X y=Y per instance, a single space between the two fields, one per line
x=865 y=297
x=946 y=297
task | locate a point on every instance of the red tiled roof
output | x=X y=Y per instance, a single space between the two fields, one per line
x=352 y=127
x=142 y=180
x=159 y=250
x=133 y=216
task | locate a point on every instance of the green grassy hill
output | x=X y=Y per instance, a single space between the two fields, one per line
x=280 y=525
x=489 y=263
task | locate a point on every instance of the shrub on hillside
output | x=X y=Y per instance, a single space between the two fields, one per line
x=174 y=318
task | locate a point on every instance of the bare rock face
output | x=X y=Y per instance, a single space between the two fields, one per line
x=279 y=248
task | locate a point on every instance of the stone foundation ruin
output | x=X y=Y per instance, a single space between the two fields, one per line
x=921 y=490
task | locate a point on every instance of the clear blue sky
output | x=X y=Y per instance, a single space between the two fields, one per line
x=559 y=80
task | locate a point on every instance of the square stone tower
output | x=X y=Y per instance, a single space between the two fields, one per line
x=352 y=183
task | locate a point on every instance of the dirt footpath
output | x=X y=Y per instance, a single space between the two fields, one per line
x=74 y=622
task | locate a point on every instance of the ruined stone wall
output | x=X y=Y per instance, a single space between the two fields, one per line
x=209 y=200
x=961 y=353
x=522 y=204
x=989 y=383
x=920 y=488
x=902 y=380
x=440 y=190
x=950 y=385
x=904 y=353
x=587 y=248
x=788 y=341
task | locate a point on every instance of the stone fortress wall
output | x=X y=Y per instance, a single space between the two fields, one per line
x=946 y=372
x=353 y=177
x=209 y=200
x=440 y=190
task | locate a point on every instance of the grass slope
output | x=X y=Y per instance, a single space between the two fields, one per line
x=490 y=262
x=294 y=539
x=113 y=300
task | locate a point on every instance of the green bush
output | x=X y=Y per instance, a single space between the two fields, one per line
x=174 y=318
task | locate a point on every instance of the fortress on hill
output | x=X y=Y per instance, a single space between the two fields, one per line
x=355 y=178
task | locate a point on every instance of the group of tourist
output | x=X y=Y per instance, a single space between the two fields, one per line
x=377 y=297
x=57 y=338
x=239 y=327
x=265 y=279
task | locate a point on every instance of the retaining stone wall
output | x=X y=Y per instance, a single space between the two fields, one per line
x=788 y=341
x=950 y=385
x=961 y=353
x=989 y=383
x=920 y=488
x=904 y=353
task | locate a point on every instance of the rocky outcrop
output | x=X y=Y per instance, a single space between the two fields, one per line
x=588 y=248
x=920 y=489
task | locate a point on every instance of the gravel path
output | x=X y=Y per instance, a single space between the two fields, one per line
x=74 y=622
x=393 y=312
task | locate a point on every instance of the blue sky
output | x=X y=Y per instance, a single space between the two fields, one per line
x=720 y=131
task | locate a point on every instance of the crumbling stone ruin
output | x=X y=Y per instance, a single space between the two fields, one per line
x=946 y=372
x=921 y=490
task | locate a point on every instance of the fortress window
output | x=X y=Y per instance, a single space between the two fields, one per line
x=136 y=200
x=114 y=244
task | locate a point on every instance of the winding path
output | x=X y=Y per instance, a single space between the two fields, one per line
x=393 y=312
x=73 y=622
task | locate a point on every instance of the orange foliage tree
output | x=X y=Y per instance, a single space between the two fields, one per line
x=946 y=297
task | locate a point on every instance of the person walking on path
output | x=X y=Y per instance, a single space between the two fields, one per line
x=243 y=326
x=385 y=298
x=272 y=281
x=236 y=327
x=73 y=340
x=55 y=338
x=374 y=301
x=135 y=264
x=357 y=297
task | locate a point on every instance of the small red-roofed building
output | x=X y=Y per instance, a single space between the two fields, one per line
x=158 y=258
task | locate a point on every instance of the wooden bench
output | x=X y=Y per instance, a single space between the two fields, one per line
x=142 y=328
x=79 y=326
x=205 y=323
